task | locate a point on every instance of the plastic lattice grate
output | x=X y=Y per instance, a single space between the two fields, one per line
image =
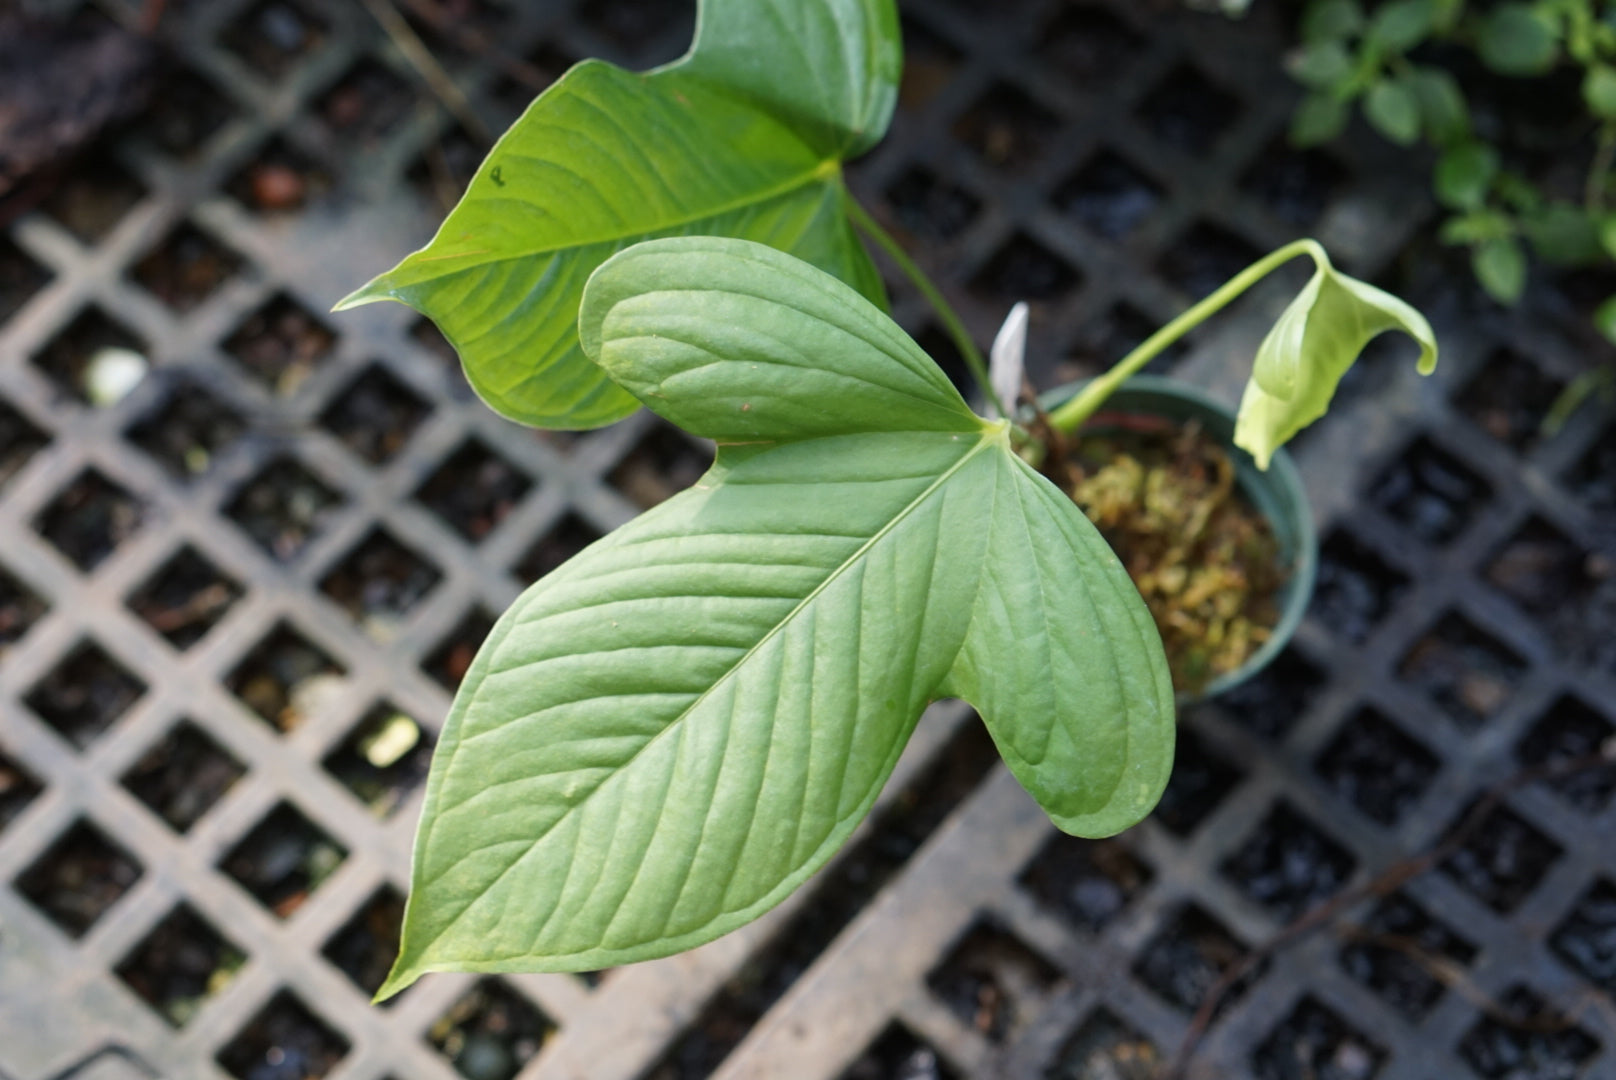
x=234 y=603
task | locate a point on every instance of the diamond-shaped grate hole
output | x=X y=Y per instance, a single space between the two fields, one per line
x=1109 y=195
x=273 y=36
x=1542 y=569
x=91 y=200
x=992 y=982
x=20 y=609
x=186 y=268
x=68 y=357
x=1373 y=765
x=285 y=1041
x=183 y=775
x=1105 y=1048
x=443 y=170
x=1189 y=112
x=20 y=278
x=1399 y=952
x=369 y=102
x=188 y=431
x=663 y=463
x=79 y=878
x=1586 y=940
x=431 y=339
x=1314 y=1042
x=547 y=63
x=90 y=519
x=1088 y=45
x=1568 y=731
x=491 y=1032
x=1271 y=702
x=186 y=113
x=1188 y=957
x=283 y=508
x=281 y=344
x=1527 y=1042
x=1288 y=864
x=280 y=178
x=449 y=662
x=1088 y=882
x=283 y=860
x=565 y=539
x=180 y=965
x=84 y=694
x=1466 y=671
x=1509 y=399
x=1006 y=127
x=18 y=788
x=380 y=582
x=1503 y=860
x=186 y=598
x=473 y=490
x=1024 y=269
x=1295 y=185
x=1429 y=492
x=929 y=64
x=20 y=440
x=897 y=1053
x=1109 y=337
x=930 y=207
x=367 y=944
x=649 y=31
x=284 y=678
x=1200 y=781
x=1593 y=478
x=383 y=760
x=376 y=415
x=1205 y=257
x=1356 y=588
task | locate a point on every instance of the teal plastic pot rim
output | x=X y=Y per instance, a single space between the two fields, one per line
x=1278 y=494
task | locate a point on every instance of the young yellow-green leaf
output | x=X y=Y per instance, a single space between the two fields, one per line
x=666 y=735
x=744 y=136
x=1310 y=348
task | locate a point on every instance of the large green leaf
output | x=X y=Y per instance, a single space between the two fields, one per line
x=666 y=735
x=744 y=136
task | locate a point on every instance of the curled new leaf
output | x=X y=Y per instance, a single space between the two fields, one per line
x=743 y=136
x=667 y=734
x=1311 y=347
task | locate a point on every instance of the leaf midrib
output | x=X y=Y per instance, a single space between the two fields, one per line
x=986 y=440
x=826 y=169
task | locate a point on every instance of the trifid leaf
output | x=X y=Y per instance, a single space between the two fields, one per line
x=1310 y=348
x=668 y=733
x=744 y=136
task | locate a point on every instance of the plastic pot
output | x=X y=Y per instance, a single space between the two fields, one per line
x=1277 y=494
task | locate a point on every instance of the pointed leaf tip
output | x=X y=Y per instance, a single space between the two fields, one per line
x=1310 y=347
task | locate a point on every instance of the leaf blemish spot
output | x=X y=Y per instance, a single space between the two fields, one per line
x=746 y=407
x=497 y=176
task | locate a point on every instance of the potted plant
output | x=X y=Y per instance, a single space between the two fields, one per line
x=666 y=735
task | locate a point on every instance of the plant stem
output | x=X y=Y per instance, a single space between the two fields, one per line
x=934 y=296
x=1069 y=416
